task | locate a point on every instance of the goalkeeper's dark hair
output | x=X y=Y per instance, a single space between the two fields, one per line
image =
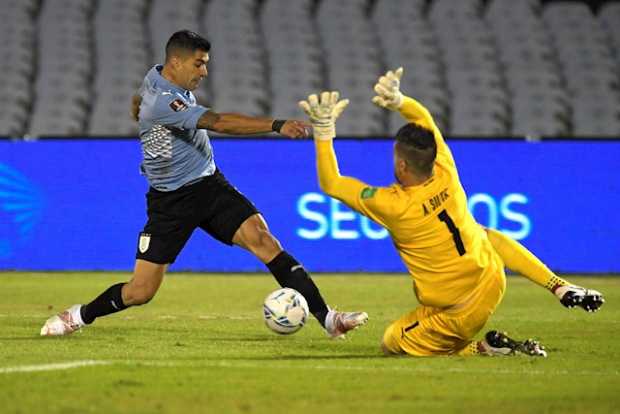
x=186 y=41
x=417 y=146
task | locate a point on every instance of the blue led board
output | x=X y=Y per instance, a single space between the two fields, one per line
x=79 y=204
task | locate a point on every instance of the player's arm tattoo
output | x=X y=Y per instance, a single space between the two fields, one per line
x=209 y=120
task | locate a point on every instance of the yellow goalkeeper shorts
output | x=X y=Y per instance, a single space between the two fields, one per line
x=444 y=331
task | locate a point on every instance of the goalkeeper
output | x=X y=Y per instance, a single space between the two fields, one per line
x=457 y=266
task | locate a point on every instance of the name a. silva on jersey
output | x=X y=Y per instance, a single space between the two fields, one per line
x=434 y=202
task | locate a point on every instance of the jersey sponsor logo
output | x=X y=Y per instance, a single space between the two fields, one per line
x=145 y=241
x=178 y=105
x=368 y=192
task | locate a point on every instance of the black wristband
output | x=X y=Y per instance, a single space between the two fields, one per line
x=277 y=125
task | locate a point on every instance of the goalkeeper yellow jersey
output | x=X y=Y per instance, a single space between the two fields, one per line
x=446 y=252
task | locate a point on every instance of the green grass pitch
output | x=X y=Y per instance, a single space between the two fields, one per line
x=201 y=347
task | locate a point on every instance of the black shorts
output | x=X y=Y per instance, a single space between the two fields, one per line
x=211 y=203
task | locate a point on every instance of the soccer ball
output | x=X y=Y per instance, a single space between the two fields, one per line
x=285 y=311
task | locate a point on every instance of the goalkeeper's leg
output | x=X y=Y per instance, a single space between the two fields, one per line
x=500 y=344
x=518 y=259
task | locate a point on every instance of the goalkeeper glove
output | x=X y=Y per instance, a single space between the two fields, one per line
x=323 y=113
x=388 y=90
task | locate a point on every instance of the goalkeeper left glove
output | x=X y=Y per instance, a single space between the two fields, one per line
x=388 y=90
x=323 y=113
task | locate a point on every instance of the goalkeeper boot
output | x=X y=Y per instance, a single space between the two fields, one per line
x=64 y=323
x=498 y=343
x=572 y=296
x=339 y=323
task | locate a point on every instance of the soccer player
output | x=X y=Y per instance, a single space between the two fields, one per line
x=187 y=191
x=457 y=266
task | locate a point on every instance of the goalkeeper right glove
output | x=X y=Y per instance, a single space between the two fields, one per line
x=323 y=114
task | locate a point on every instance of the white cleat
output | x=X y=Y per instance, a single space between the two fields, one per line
x=64 y=323
x=339 y=323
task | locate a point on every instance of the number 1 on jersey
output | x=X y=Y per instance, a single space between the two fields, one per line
x=456 y=234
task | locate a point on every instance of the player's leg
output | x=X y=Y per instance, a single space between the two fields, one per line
x=520 y=260
x=147 y=278
x=167 y=230
x=415 y=334
x=231 y=218
x=429 y=331
x=254 y=236
x=500 y=344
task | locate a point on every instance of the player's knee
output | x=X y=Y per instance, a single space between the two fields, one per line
x=263 y=243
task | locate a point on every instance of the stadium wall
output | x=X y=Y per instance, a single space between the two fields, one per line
x=78 y=204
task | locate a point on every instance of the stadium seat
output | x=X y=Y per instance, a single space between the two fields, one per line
x=609 y=16
x=588 y=64
x=64 y=57
x=507 y=56
x=599 y=118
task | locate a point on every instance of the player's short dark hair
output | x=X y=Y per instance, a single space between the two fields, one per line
x=417 y=146
x=185 y=41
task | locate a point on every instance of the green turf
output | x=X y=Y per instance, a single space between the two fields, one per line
x=201 y=346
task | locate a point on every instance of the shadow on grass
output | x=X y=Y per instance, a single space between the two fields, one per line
x=25 y=338
x=304 y=357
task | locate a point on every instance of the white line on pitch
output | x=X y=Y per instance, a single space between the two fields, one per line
x=408 y=369
x=275 y=365
x=52 y=367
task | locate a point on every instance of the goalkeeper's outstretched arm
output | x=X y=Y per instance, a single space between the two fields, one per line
x=345 y=189
x=323 y=113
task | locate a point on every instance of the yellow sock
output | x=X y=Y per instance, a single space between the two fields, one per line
x=518 y=259
x=473 y=348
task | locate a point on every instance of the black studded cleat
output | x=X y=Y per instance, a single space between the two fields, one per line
x=572 y=296
x=499 y=343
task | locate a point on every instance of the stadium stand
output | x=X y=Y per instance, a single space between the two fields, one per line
x=18 y=33
x=121 y=58
x=238 y=70
x=483 y=67
x=294 y=56
x=421 y=57
x=64 y=66
x=539 y=105
x=352 y=64
x=479 y=102
x=588 y=67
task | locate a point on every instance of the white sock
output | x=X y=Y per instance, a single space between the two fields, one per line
x=329 y=321
x=76 y=314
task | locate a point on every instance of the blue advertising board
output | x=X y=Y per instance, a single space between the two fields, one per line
x=79 y=204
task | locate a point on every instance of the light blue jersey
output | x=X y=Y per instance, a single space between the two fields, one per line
x=174 y=151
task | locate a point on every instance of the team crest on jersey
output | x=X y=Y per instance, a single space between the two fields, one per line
x=145 y=241
x=178 y=105
x=368 y=192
